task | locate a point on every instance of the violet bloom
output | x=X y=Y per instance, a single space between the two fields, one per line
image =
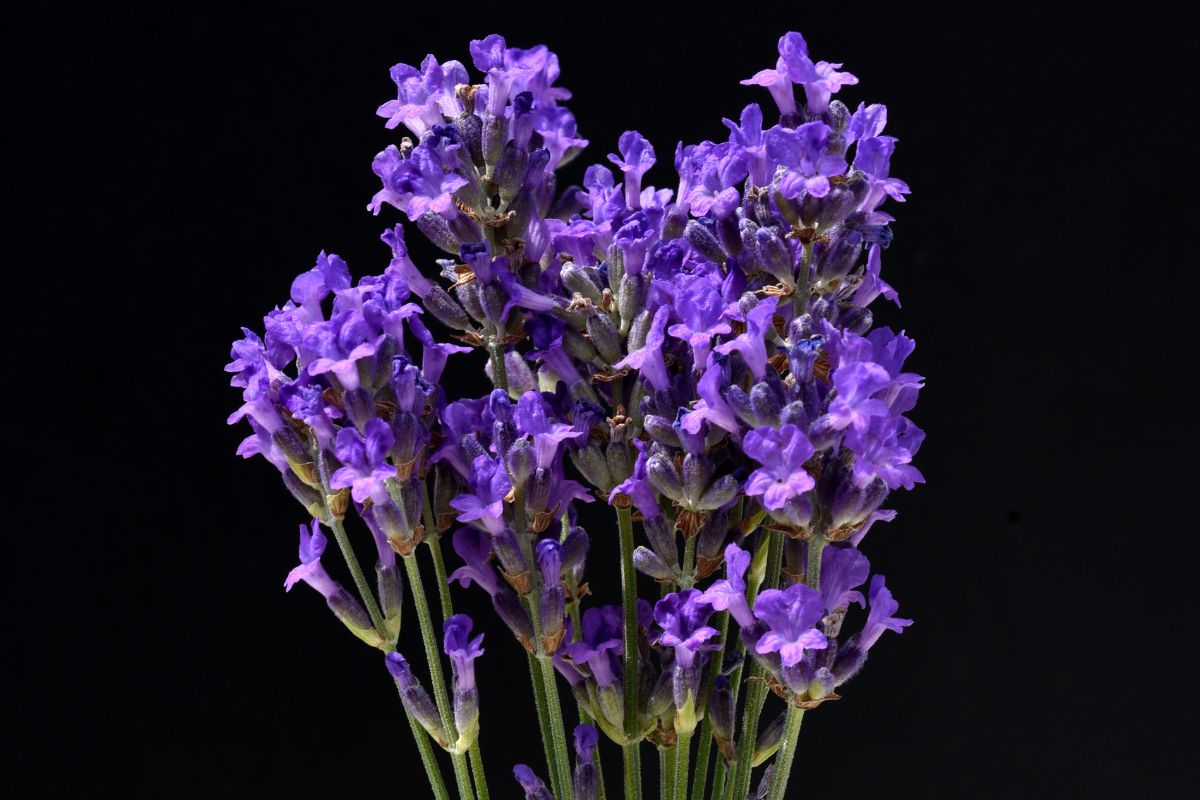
x=702 y=309
x=484 y=504
x=802 y=151
x=365 y=457
x=462 y=650
x=433 y=354
x=885 y=450
x=712 y=406
x=748 y=137
x=309 y=289
x=880 y=618
x=729 y=593
x=637 y=156
x=855 y=404
x=873 y=285
x=820 y=80
x=424 y=95
x=682 y=617
x=782 y=452
x=751 y=344
x=842 y=569
x=474 y=548
x=310 y=571
x=416 y=700
x=531 y=783
x=637 y=485
x=649 y=358
x=791 y=616
x=586 y=775
x=600 y=644
x=776 y=80
x=531 y=421
x=415 y=184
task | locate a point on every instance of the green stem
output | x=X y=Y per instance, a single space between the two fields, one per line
x=812 y=571
x=802 y=287
x=666 y=773
x=360 y=579
x=436 y=676
x=477 y=773
x=704 y=746
x=683 y=751
x=720 y=773
x=689 y=563
x=787 y=752
x=633 y=779
x=539 y=700
x=499 y=370
x=756 y=694
x=557 y=730
x=427 y=758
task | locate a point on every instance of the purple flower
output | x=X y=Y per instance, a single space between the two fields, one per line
x=462 y=650
x=751 y=344
x=709 y=174
x=531 y=783
x=600 y=643
x=820 y=79
x=416 y=184
x=748 y=137
x=791 y=616
x=365 y=456
x=880 y=618
x=424 y=96
x=547 y=436
x=712 y=406
x=729 y=593
x=842 y=569
x=474 y=548
x=637 y=485
x=310 y=571
x=433 y=354
x=637 y=156
x=885 y=450
x=702 y=309
x=485 y=502
x=802 y=152
x=854 y=405
x=682 y=617
x=782 y=452
x=873 y=285
x=649 y=358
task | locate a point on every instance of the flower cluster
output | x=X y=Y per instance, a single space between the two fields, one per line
x=702 y=358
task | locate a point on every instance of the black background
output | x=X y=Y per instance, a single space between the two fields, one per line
x=172 y=170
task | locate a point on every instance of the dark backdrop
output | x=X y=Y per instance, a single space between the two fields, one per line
x=172 y=170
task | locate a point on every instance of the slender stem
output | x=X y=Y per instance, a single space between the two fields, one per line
x=802 y=286
x=539 y=700
x=683 y=751
x=633 y=780
x=499 y=370
x=477 y=773
x=704 y=745
x=360 y=579
x=787 y=752
x=756 y=694
x=812 y=571
x=689 y=563
x=436 y=676
x=666 y=773
x=720 y=772
x=557 y=730
x=427 y=758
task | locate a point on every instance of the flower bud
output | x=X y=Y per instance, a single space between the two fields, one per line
x=416 y=700
x=509 y=170
x=351 y=614
x=662 y=539
x=661 y=430
x=442 y=307
x=520 y=462
x=592 y=464
x=579 y=282
x=647 y=562
x=704 y=241
x=697 y=472
x=470 y=133
x=437 y=230
x=493 y=135
x=605 y=337
x=664 y=477
x=391 y=595
x=632 y=299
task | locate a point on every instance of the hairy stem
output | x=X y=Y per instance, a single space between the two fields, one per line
x=787 y=752
x=633 y=779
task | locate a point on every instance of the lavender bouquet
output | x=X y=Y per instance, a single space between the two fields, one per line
x=701 y=359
